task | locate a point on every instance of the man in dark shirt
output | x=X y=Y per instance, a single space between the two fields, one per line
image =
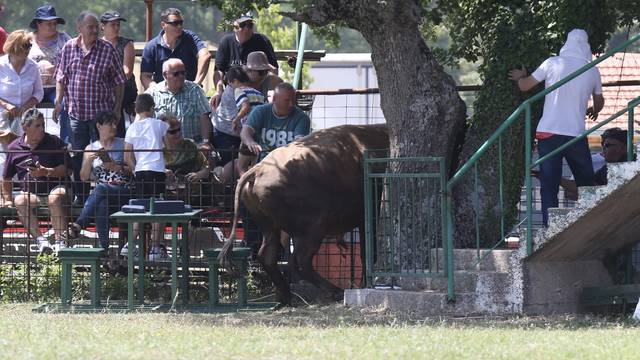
x=234 y=49
x=38 y=160
x=174 y=42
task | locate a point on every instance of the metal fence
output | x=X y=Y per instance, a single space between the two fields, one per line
x=403 y=218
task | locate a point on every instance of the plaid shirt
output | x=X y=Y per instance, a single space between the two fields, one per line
x=188 y=105
x=90 y=78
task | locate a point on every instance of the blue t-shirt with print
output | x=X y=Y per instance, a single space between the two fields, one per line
x=272 y=132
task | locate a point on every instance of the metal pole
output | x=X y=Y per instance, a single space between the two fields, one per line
x=527 y=174
x=299 y=60
x=149 y=4
x=631 y=107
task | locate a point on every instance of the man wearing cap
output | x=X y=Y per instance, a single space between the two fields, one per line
x=234 y=50
x=564 y=114
x=174 y=42
x=185 y=100
x=90 y=77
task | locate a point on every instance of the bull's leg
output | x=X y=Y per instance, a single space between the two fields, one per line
x=304 y=252
x=268 y=256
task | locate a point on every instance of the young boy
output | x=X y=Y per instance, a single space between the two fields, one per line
x=246 y=99
x=147 y=133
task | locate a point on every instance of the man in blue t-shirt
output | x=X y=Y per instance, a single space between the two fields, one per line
x=277 y=124
x=174 y=42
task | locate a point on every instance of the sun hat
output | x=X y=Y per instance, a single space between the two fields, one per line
x=45 y=13
x=257 y=60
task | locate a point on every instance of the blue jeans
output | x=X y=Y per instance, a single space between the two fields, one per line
x=579 y=159
x=82 y=133
x=63 y=118
x=104 y=199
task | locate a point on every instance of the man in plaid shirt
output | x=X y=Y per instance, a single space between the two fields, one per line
x=90 y=76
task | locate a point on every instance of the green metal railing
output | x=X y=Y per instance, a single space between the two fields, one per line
x=525 y=108
x=400 y=193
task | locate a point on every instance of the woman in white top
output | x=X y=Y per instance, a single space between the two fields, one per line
x=20 y=83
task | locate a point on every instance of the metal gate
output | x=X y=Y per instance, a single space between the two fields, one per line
x=404 y=217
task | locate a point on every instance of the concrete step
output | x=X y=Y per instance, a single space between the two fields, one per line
x=464 y=280
x=431 y=303
x=557 y=216
x=467 y=259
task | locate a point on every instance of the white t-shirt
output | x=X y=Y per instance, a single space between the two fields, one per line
x=147 y=134
x=565 y=108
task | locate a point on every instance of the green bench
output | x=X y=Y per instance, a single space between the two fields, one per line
x=240 y=258
x=80 y=256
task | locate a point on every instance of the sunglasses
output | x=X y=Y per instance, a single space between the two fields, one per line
x=27 y=46
x=179 y=73
x=175 y=23
x=246 y=24
x=174 y=131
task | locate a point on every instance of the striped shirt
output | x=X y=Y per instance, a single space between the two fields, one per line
x=90 y=78
x=250 y=95
x=188 y=105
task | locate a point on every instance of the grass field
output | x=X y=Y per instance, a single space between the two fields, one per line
x=318 y=332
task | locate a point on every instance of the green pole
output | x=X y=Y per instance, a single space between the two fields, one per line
x=630 y=131
x=301 y=45
x=527 y=174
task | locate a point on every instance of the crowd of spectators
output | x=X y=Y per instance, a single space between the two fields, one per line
x=98 y=162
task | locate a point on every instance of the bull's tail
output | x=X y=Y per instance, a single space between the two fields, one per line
x=225 y=256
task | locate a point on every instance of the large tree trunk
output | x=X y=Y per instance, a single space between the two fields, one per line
x=419 y=100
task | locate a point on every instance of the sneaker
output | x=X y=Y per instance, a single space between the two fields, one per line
x=158 y=253
x=61 y=244
x=44 y=247
x=125 y=251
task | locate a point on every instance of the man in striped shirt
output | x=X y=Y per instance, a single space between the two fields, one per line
x=90 y=76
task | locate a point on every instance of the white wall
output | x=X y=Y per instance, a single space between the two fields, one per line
x=345 y=71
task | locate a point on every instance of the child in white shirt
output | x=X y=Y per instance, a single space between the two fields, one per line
x=147 y=133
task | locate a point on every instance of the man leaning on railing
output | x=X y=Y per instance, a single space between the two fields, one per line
x=564 y=113
x=41 y=164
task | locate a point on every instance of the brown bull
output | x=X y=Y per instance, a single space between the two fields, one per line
x=312 y=189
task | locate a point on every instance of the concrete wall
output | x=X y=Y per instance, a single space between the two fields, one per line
x=555 y=287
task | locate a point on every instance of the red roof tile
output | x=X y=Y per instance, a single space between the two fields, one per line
x=620 y=67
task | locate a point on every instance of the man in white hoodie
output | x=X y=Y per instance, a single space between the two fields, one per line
x=564 y=113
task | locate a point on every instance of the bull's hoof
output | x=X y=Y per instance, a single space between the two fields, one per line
x=338 y=296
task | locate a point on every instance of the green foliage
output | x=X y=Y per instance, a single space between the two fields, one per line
x=37 y=281
x=282 y=33
x=199 y=18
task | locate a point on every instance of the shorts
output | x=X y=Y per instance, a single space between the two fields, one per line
x=43 y=200
x=150 y=184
